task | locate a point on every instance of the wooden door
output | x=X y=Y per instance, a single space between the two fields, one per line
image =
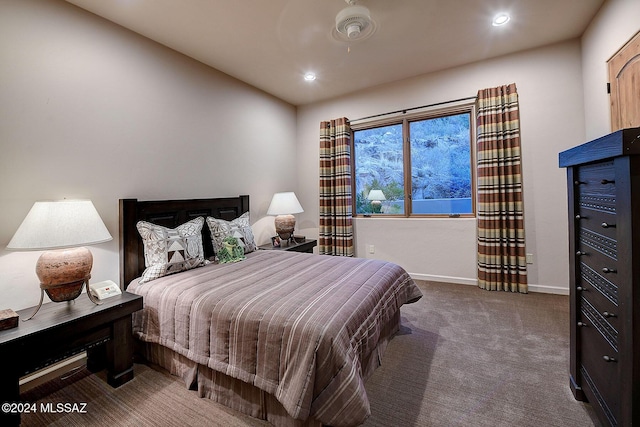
x=624 y=77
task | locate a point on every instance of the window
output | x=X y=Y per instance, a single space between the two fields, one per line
x=418 y=165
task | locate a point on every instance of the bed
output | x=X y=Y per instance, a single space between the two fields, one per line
x=282 y=336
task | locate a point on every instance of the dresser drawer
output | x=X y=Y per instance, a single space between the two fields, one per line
x=595 y=243
x=593 y=319
x=596 y=178
x=602 y=293
x=600 y=273
x=606 y=406
x=601 y=376
x=597 y=222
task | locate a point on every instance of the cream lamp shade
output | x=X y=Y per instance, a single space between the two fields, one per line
x=61 y=228
x=376 y=195
x=284 y=205
x=60 y=224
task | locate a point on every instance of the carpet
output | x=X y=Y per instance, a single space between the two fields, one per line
x=470 y=357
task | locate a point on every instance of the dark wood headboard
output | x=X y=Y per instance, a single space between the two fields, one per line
x=168 y=213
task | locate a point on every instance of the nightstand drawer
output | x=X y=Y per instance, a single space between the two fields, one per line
x=52 y=349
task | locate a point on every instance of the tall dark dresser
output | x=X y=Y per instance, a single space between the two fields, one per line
x=603 y=178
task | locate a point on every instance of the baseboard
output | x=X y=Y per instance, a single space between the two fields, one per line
x=474 y=282
x=543 y=289
x=446 y=279
x=53 y=371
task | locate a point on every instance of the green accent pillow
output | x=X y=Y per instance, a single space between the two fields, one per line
x=231 y=251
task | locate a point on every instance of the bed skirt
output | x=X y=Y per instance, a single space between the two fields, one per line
x=244 y=397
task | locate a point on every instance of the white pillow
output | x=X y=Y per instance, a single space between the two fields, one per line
x=168 y=251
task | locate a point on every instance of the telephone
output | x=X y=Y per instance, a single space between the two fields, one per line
x=104 y=290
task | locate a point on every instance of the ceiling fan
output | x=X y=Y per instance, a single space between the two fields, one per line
x=354 y=22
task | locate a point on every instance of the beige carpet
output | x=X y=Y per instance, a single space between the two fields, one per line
x=464 y=357
x=469 y=357
x=153 y=398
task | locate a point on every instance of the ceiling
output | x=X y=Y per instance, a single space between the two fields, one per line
x=271 y=44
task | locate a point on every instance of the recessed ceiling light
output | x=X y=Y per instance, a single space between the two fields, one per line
x=309 y=77
x=500 y=19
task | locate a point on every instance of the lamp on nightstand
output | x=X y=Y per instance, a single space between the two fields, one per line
x=376 y=197
x=62 y=228
x=284 y=205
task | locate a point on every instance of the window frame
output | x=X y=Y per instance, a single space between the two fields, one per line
x=404 y=120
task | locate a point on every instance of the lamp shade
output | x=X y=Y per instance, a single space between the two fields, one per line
x=284 y=204
x=60 y=224
x=376 y=195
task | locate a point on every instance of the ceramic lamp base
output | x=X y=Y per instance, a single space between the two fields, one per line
x=63 y=273
x=61 y=267
x=284 y=226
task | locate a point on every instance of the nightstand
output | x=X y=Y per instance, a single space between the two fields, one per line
x=62 y=329
x=306 y=245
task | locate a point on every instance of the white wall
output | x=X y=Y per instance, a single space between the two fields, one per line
x=91 y=110
x=549 y=82
x=617 y=22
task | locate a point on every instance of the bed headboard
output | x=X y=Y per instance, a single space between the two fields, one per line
x=168 y=213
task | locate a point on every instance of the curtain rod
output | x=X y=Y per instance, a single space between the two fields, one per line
x=403 y=111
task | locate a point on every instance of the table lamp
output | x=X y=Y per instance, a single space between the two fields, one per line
x=376 y=197
x=284 y=205
x=61 y=228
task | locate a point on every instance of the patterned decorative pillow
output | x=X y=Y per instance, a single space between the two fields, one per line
x=240 y=228
x=231 y=251
x=171 y=250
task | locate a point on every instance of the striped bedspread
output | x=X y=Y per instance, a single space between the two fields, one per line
x=295 y=325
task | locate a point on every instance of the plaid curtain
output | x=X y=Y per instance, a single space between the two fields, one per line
x=336 y=229
x=501 y=245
